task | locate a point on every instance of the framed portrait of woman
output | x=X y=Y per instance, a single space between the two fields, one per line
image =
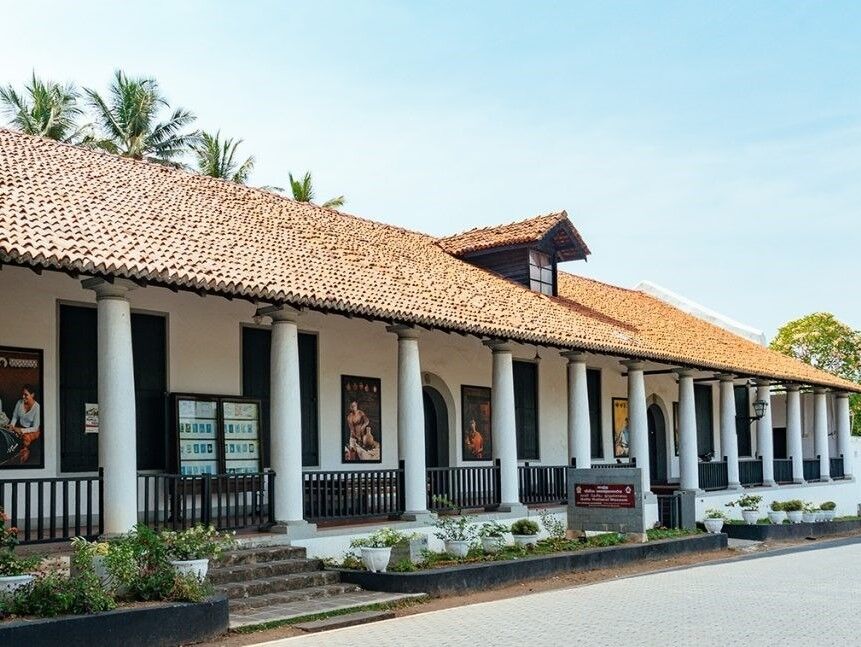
x=475 y=423
x=22 y=442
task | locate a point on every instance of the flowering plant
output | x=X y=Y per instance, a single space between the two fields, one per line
x=9 y=564
x=197 y=542
x=8 y=536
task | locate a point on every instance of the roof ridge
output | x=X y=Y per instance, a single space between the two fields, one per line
x=557 y=214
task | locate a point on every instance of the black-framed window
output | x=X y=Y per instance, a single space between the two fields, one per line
x=705 y=418
x=742 y=421
x=256 y=346
x=593 y=387
x=540 y=272
x=526 y=409
x=78 y=362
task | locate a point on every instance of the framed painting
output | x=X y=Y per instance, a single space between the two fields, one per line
x=362 y=419
x=621 y=435
x=22 y=443
x=475 y=423
x=676 y=427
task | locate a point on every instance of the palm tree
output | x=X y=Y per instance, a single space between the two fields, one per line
x=129 y=125
x=45 y=109
x=217 y=158
x=303 y=191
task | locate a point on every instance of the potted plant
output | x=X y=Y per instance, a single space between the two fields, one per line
x=191 y=549
x=829 y=510
x=777 y=514
x=92 y=553
x=457 y=533
x=525 y=532
x=749 y=504
x=714 y=520
x=492 y=536
x=809 y=513
x=14 y=573
x=793 y=509
x=377 y=548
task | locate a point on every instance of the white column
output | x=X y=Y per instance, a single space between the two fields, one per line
x=579 y=429
x=116 y=392
x=411 y=422
x=765 y=434
x=728 y=433
x=502 y=423
x=688 y=460
x=843 y=432
x=285 y=423
x=820 y=433
x=794 y=446
x=638 y=425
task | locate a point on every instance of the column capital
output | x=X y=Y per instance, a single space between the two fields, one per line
x=764 y=382
x=498 y=345
x=633 y=364
x=820 y=390
x=792 y=387
x=403 y=331
x=116 y=289
x=574 y=356
x=279 y=313
x=684 y=372
x=725 y=377
x=841 y=394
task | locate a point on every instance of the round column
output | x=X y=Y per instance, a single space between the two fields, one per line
x=117 y=414
x=688 y=459
x=820 y=433
x=579 y=428
x=728 y=432
x=411 y=422
x=765 y=435
x=794 y=446
x=638 y=424
x=844 y=432
x=502 y=423
x=286 y=418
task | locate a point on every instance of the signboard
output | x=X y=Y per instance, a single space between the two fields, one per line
x=601 y=495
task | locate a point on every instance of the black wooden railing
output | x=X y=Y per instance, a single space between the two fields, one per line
x=605 y=466
x=783 y=470
x=463 y=487
x=543 y=483
x=342 y=495
x=226 y=501
x=837 y=468
x=812 y=471
x=713 y=475
x=670 y=510
x=53 y=509
x=750 y=472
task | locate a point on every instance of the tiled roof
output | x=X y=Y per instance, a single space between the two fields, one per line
x=522 y=232
x=77 y=210
x=664 y=329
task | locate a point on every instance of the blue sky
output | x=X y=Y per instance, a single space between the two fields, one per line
x=712 y=148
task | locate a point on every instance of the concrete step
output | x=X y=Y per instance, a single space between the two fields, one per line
x=223 y=574
x=346 y=620
x=259 y=555
x=277 y=584
x=289 y=597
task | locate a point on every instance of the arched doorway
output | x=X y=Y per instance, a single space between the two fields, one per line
x=436 y=428
x=657 y=444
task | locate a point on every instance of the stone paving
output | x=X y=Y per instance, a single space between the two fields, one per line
x=796 y=598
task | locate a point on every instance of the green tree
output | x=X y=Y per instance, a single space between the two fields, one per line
x=45 y=109
x=129 y=125
x=217 y=158
x=826 y=343
x=303 y=191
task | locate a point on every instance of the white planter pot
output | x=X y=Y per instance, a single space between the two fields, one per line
x=795 y=516
x=376 y=559
x=776 y=516
x=101 y=570
x=750 y=516
x=11 y=583
x=829 y=514
x=196 y=567
x=457 y=547
x=525 y=540
x=492 y=544
x=713 y=526
x=809 y=517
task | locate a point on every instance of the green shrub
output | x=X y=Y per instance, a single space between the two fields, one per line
x=197 y=542
x=793 y=505
x=383 y=538
x=776 y=506
x=455 y=528
x=828 y=505
x=555 y=527
x=54 y=595
x=524 y=527
x=493 y=529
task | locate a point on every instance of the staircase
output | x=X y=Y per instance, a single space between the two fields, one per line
x=269 y=583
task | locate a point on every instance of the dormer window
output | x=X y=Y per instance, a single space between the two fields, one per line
x=540 y=272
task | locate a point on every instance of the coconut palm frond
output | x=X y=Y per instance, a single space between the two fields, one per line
x=217 y=158
x=45 y=109
x=335 y=203
x=303 y=190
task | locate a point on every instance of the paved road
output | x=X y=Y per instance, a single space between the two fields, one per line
x=799 y=598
